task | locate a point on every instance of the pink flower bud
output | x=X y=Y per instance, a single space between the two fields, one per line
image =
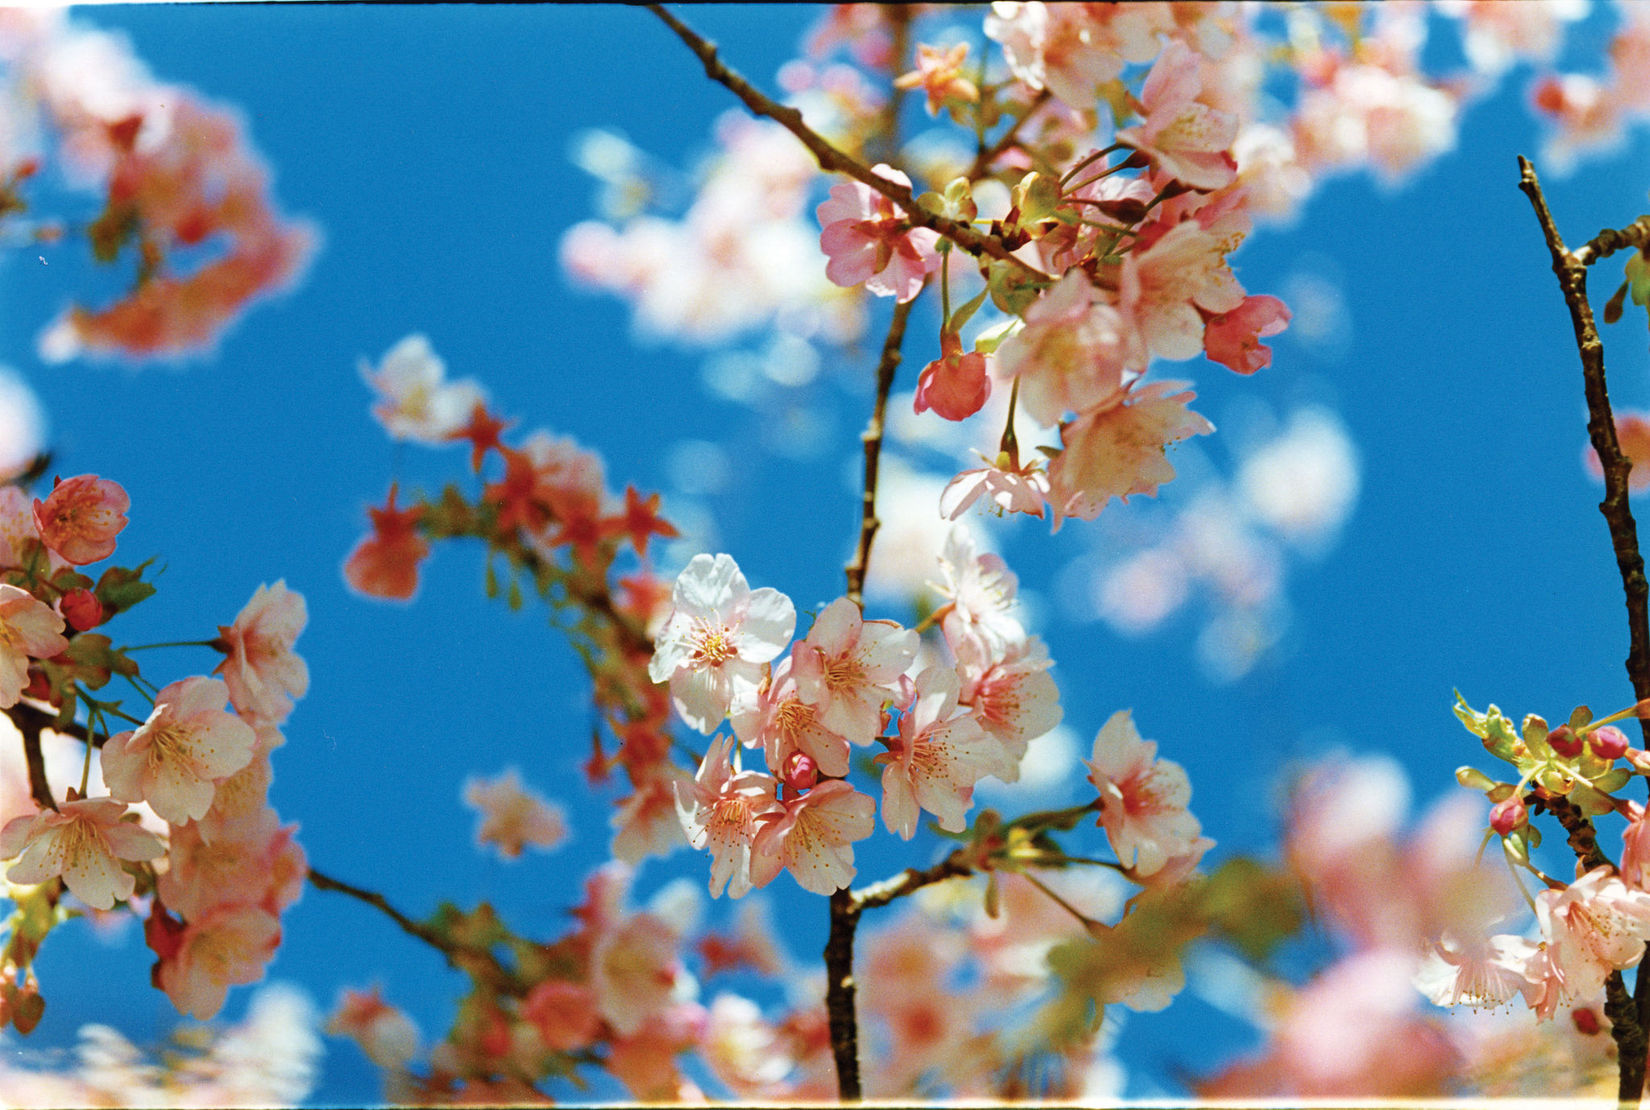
x=82 y=610
x=1564 y=741
x=1608 y=742
x=800 y=772
x=1508 y=816
x=1586 y=1018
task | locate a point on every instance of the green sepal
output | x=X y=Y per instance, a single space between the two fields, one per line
x=1590 y=801
x=966 y=311
x=1613 y=780
x=1490 y=726
x=1036 y=197
x=987 y=342
x=120 y=588
x=1580 y=716
x=1012 y=289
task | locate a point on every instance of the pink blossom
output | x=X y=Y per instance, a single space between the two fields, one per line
x=720 y=810
x=240 y=803
x=1012 y=696
x=174 y=759
x=81 y=518
x=1006 y=486
x=1072 y=352
x=262 y=671
x=257 y=870
x=228 y=946
x=634 y=971
x=744 y=1051
x=939 y=75
x=782 y=723
x=385 y=1033
x=954 y=385
x=813 y=838
x=646 y=824
x=719 y=637
x=1482 y=972
x=28 y=630
x=1163 y=287
x=18 y=530
x=1187 y=141
x=1635 y=849
x=83 y=841
x=847 y=667
x=981 y=589
x=415 y=401
x=869 y=241
x=1142 y=798
x=564 y=1013
x=513 y=817
x=1073 y=49
x=1592 y=927
x=938 y=755
x=1233 y=338
x=1117 y=449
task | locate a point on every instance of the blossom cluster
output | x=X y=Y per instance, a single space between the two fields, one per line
x=183 y=833
x=183 y=191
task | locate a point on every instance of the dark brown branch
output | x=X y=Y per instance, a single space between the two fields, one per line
x=474 y=961
x=909 y=881
x=832 y=160
x=1629 y=1018
x=1607 y=242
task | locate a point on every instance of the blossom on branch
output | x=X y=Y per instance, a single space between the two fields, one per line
x=720 y=809
x=28 y=630
x=813 y=837
x=416 y=402
x=938 y=755
x=262 y=671
x=869 y=242
x=1142 y=798
x=1117 y=449
x=714 y=647
x=513 y=817
x=83 y=842
x=848 y=668
x=385 y=564
x=1187 y=141
x=174 y=758
x=81 y=518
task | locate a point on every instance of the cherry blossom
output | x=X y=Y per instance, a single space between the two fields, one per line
x=936 y=758
x=385 y=564
x=513 y=817
x=416 y=402
x=228 y=946
x=187 y=743
x=564 y=1013
x=720 y=635
x=1073 y=49
x=1072 y=353
x=782 y=723
x=258 y=869
x=1006 y=486
x=28 y=630
x=847 y=667
x=1233 y=338
x=1012 y=696
x=954 y=385
x=1117 y=449
x=1187 y=140
x=262 y=671
x=813 y=837
x=635 y=971
x=1592 y=927
x=83 y=841
x=1484 y=972
x=1142 y=798
x=385 y=1033
x=981 y=589
x=870 y=242
x=721 y=809
x=1163 y=287
x=81 y=517
x=939 y=75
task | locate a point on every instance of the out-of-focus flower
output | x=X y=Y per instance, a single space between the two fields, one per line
x=386 y=1034
x=513 y=817
x=416 y=401
x=939 y=75
x=385 y=564
x=1187 y=141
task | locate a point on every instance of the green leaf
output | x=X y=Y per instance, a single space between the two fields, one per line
x=120 y=588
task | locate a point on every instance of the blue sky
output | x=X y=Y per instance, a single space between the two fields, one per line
x=431 y=146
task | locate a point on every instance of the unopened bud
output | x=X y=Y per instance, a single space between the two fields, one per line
x=1508 y=816
x=1608 y=742
x=81 y=609
x=800 y=771
x=1586 y=1020
x=1564 y=741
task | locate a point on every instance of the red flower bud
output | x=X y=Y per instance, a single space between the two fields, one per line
x=1508 y=816
x=1586 y=1020
x=1564 y=741
x=800 y=772
x=1608 y=742
x=82 y=610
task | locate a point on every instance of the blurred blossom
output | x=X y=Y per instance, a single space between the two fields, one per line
x=1137 y=594
x=1048 y=768
x=698 y=467
x=912 y=535
x=1304 y=483
x=22 y=425
x=1322 y=322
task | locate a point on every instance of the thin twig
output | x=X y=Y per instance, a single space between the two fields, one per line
x=871 y=438
x=1628 y=1017
x=465 y=958
x=987 y=155
x=832 y=160
x=1611 y=240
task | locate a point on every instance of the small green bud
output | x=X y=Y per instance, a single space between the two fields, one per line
x=1474 y=779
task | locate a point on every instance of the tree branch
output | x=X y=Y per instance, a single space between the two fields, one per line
x=474 y=961
x=1628 y=1020
x=833 y=160
x=872 y=440
x=1611 y=240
